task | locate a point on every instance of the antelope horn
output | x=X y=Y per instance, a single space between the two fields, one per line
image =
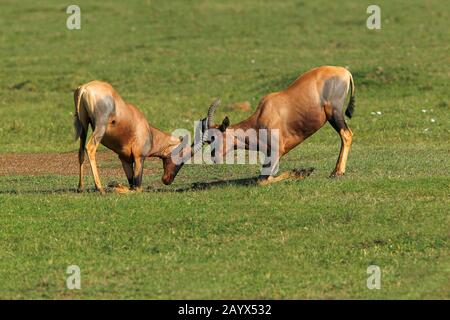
x=211 y=110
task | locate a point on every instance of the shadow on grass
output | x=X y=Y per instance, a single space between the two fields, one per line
x=42 y=191
x=296 y=174
x=196 y=186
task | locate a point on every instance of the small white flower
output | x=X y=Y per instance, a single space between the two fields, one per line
x=378 y=112
x=424 y=110
x=253 y=61
x=373 y=113
x=433 y=120
x=426 y=130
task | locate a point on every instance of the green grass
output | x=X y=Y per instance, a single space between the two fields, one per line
x=296 y=239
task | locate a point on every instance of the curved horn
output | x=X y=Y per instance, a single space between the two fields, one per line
x=211 y=110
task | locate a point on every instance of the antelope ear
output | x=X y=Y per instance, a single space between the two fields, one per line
x=225 y=124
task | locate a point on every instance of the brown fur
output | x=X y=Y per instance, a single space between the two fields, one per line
x=301 y=109
x=123 y=128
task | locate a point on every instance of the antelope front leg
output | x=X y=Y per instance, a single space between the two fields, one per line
x=137 y=173
x=269 y=168
x=272 y=179
x=128 y=169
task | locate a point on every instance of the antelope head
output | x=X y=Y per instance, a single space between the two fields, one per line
x=213 y=134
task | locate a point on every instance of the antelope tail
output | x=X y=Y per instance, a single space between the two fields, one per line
x=351 y=103
x=76 y=118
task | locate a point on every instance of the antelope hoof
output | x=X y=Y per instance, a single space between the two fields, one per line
x=136 y=189
x=101 y=191
x=336 y=174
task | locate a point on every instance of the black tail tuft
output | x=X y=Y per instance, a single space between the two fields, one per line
x=78 y=127
x=76 y=118
x=350 y=107
x=351 y=102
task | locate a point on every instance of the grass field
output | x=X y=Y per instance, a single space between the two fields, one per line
x=313 y=238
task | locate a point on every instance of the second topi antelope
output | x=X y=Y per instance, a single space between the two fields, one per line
x=293 y=114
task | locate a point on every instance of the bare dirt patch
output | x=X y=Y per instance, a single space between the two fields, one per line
x=66 y=164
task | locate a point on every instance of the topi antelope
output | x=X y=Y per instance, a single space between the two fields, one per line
x=121 y=127
x=298 y=111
